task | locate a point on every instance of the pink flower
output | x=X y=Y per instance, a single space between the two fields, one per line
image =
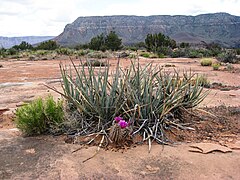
x=117 y=119
x=123 y=124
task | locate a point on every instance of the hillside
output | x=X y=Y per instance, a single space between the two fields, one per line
x=222 y=28
x=8 y=42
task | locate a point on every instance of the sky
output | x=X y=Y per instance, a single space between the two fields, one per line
x=49 y=17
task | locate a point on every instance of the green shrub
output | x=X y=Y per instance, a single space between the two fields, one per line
x=95 y=63
x=101 y=42
x=65 y=51
x=194 y=54
x=229 y=67
x=154 y=56
x=82 y=52
x=238 y=51
x=11 y=51
x=161 y=56
x=145 y=54
x=159 y=43
x=132 y=56
x=48 y=45
x=206 y=62
x=39 y=116
x=131 y=48
x=202 y=80
x=41 y=52
x=178 y=53
x=32 y=58
x=216 y=66
x=184 y=45
x=3 y=51
x=23 y=46
x=98 y=55
x=151 y=55
x=53 y=111
x=229 y=56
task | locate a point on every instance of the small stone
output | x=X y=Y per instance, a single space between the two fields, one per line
x=30 y=151
x=152 y=169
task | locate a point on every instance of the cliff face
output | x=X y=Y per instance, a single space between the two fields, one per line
x=8 y=42
x=222 y=28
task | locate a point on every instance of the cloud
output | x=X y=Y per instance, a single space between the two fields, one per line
x=49 y=17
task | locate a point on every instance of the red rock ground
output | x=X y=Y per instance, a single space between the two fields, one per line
x=51 y=158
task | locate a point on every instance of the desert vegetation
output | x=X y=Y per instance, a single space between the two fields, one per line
x=206 y=62
x=101 y=46
x=147 y=100
x=118 y=104
x=216 y=66
x=39 y=116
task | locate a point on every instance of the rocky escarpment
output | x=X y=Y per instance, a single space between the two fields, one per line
x=222 y=28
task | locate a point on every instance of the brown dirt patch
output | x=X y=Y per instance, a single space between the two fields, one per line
x=221 y=126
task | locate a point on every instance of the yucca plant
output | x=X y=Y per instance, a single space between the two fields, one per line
x=146 y=96
x=94 y=92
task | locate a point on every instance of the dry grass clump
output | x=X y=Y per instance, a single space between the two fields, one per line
x=206 y=62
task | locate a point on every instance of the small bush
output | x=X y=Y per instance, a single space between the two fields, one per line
x=202 y=80
x=123 y=55
x=98 y=55
x=151 y=55
x=192 y=53
x=238 y=51
x=39 y=116
x=12 y=51
x=32 y=57
x=206 y=62
x=95 y=63
x=154 y=56
x=195 y=54
x=132 y=56
x=178 y=53
x=65 y=51
x=1 y=66
x=216 y=66
x=161 y=56
x=82 y=52
x=228 y=57
x=229 y=67
x=48 y=45
x=41 y=52
x=145 y=54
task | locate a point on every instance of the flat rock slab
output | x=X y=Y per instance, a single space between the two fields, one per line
x=206 y=148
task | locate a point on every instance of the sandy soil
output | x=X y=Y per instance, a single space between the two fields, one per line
x=51 y=158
